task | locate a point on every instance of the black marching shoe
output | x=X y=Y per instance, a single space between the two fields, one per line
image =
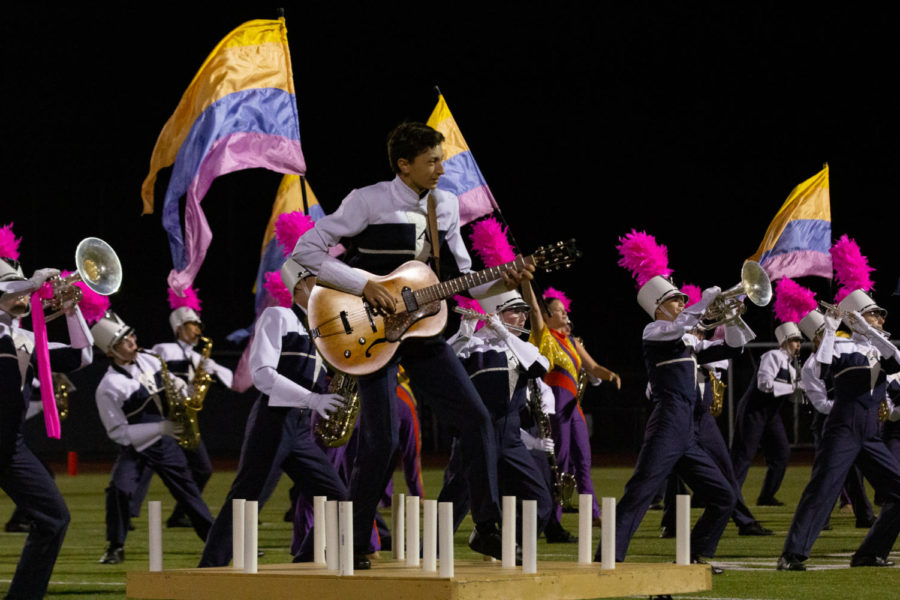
x=696 y=560
x=491 y=544
x=773 y=501
x=667 y=532
x=870 y=561
x=361 y=562
x=789 y=562
x=17 y=526
x=865 y=523
x=113 y=555
x=754 y=528
x=178 y=521
x=555 y=534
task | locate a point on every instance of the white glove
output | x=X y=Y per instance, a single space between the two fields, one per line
x=42 y=275
x=547 y=445
x=496 y=325
x=171 y=429
x=832 y=320
x=324 y=403
x=533 y=443
x=711 y=293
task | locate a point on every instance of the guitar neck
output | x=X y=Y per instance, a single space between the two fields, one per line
x=445 y=289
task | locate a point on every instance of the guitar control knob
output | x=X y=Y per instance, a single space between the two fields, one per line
x=346 y=354
x=362 y=341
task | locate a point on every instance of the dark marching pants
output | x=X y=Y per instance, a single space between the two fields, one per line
x=760 y=424
x=201 y=470
x=670 y=446
x=437 y=377
x=854 y=487
x=31 y=488
x=851 y=434
x=274 y=438
x=165 y=459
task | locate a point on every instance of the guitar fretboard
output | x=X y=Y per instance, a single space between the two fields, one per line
x=445 y=289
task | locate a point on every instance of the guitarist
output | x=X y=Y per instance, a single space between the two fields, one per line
x=383 y=226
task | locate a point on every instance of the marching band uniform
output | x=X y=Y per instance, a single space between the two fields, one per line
x=857 y=366
x=133 y=408
x=382 y=226
x=22 y=476
x=759 y=420
x=290 y=376
x=671 y=362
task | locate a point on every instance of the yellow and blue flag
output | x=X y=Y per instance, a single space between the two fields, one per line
x=797 y=241
x=239 y=112
x=462 y=176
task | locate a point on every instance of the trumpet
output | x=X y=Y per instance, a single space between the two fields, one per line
x=851 y=318
x=729 y=305
x=468 y=312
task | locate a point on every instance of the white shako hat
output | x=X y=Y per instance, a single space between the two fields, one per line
x=10 y=270
x=291 y=274
x=657 y=290
x=109 y=331
x=787 y=331
x=507 y=300
x=182 y=315
x=860 y=302
x=812 y=324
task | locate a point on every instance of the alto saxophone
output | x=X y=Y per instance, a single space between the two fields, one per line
x=202 y=379
x=718 y=394
x=563 y=483
x=62 y=385
x=337 y=429
x=180 y=410
x=884 y=411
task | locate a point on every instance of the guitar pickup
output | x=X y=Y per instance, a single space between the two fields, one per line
x=409 y=299
x=346 y=323
x=371 y=319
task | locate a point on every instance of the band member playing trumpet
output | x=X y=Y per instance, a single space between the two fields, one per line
x=133 y=406
x=291 y=378
x=384 y=225
x=22 y=476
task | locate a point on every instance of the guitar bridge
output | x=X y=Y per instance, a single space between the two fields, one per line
x=409 y=299
x=346 y=322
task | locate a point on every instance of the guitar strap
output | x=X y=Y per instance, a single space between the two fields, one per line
x=433 y=234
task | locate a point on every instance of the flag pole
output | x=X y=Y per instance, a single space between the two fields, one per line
x=280 y=12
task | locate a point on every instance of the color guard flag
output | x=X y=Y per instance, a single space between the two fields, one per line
x=239 y=112
x=797 y=241
x=461 y=173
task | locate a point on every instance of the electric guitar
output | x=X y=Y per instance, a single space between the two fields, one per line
x=353 y=337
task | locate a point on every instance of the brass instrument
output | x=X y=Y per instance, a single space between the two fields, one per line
x=851 y=319
x=337 y=429
x=563 y=483
x=718 y=393
x=62 y=385
x=729 y=305
x=97 y=266
x=181 y=409
x=884 y=411
x=468 y=312
x=202 y=379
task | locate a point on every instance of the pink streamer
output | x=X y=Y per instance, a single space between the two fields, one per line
x=42 y=352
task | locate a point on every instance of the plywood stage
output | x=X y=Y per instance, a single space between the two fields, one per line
x=392 y=580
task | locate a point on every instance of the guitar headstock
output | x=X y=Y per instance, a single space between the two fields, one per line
x=553 y=257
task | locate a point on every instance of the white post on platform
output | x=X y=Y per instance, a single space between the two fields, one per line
x=529 y=536
x=345 y=526
x=412 y=531
x=508 y=547
x=585 y=531
x=682 y=529
x=398 y=533
x=237 y=533
x=608 y=535
x=154 y=517
x=445 y=537
x=332 y=538
x=251 y=524
x=429 y=536
x=319 y=530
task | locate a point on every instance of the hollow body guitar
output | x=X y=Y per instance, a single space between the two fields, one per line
x=353 y=338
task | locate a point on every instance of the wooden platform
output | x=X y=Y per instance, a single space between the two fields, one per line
x=392 y=580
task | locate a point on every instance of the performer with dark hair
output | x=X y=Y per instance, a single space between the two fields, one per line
x=22 y=476
x=382 y=226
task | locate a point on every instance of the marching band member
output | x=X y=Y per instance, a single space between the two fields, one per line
x=671 y=359
x=291 y=379
x=759 y=414
x=22 y=476
x=384 y=225
x=857 y=366
x=131 y=400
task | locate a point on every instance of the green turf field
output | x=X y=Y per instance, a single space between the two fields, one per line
x=749 y=562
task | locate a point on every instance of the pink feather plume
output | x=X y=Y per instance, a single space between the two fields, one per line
x=276 y=288
x=793 y=301
x=190 y=299
x=490 y=243
x=643 y=256
x=289 y=227
x=693 y=292
x=554 y=294
x=851 y=268
x=9 y=243
x=93 y=306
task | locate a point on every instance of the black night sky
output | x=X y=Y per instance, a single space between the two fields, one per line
x=692 y=121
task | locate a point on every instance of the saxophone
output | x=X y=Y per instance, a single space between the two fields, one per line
x=884 y=411
x=202 y=379
x=62 y=385
x=563 y=483
x=180 y=409
x=718 y=394
x=337 y=429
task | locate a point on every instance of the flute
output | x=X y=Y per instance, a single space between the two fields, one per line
x=468 y=312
